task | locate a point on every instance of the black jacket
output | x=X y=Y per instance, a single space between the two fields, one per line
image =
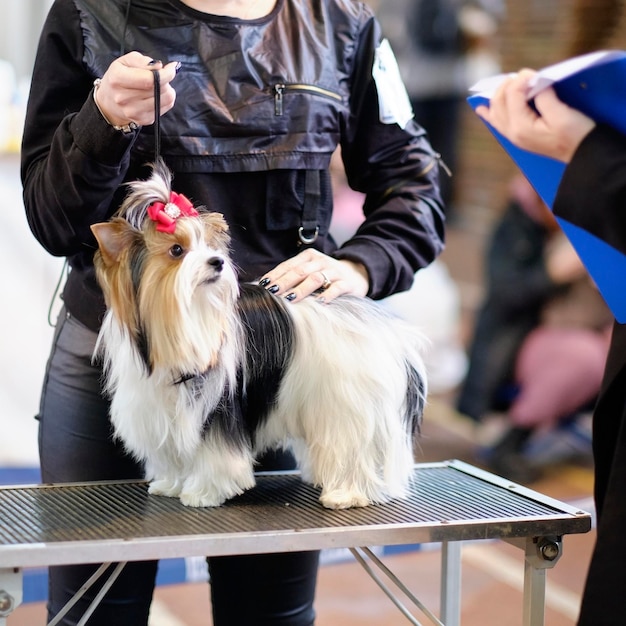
x=259 y=104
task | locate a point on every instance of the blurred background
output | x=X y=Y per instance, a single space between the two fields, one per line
x=490 y=37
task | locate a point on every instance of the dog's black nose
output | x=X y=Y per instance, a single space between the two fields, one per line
x=217 y=263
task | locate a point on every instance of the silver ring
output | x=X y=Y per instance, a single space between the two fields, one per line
x=327 y=283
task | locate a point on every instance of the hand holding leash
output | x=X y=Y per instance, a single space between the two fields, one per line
x=312 y=272
x=125 y=94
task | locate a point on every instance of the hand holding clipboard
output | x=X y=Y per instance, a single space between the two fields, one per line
x=594 y=84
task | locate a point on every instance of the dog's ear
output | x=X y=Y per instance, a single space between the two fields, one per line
x=113 y=237
x=215 y=221
x=216 y=226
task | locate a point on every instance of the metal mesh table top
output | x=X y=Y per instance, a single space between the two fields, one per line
x=81 y=523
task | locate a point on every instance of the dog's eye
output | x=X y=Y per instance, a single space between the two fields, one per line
x=176 y=251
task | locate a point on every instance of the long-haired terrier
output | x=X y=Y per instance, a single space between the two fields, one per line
x=205 y=373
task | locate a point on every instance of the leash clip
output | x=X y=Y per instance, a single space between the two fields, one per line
x=305 y=239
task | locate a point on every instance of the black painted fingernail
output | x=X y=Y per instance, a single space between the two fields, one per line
x=273 y=288
x=178 y=66
x=264 y=282
x=290 y=296
x=153 y=61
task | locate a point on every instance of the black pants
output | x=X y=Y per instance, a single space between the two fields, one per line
x=604 y=603
x=75 y=444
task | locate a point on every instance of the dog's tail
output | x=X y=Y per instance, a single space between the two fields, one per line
x=416 y=393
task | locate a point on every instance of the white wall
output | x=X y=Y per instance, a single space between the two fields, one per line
x=28 y=272
x=19 y=31
x=29 y=275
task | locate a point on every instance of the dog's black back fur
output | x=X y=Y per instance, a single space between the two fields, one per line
x=268 y=344
x=269 y=338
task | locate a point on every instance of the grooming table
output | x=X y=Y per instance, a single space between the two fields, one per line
x=449 y=502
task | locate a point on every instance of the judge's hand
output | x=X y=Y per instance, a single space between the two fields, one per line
x=554 y=129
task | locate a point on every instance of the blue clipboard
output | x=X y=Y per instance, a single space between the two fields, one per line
x=596 y=85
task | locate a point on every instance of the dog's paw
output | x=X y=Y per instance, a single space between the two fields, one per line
x=341 y=499
x=165 y=487
x=197 y=500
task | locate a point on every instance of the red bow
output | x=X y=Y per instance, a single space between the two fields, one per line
x=165 y=215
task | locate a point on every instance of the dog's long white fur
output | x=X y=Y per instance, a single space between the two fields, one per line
x=347 y=402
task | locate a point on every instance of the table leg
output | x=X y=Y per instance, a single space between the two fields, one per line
x=451 y=583
x=541 y=553
x=11 y=592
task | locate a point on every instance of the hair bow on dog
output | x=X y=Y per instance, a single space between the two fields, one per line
x=165 y=215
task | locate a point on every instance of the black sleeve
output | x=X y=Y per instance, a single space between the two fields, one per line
x=592 y=192
x=398 y=171
x=72 y=161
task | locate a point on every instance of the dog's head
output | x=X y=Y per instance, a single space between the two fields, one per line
x=166 y=274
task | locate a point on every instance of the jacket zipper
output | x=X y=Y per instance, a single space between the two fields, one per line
x=281 y=88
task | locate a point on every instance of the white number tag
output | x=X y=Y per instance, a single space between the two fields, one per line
x=393 y=100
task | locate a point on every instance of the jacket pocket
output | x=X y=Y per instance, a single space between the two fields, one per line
x=287 y=197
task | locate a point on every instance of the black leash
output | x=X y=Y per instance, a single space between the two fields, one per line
x=157 y=115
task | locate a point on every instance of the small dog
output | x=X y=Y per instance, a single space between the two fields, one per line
x=205 y=373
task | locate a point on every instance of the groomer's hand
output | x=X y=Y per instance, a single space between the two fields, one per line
x=554 y=129
x=314 y=272
x=126 y=91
